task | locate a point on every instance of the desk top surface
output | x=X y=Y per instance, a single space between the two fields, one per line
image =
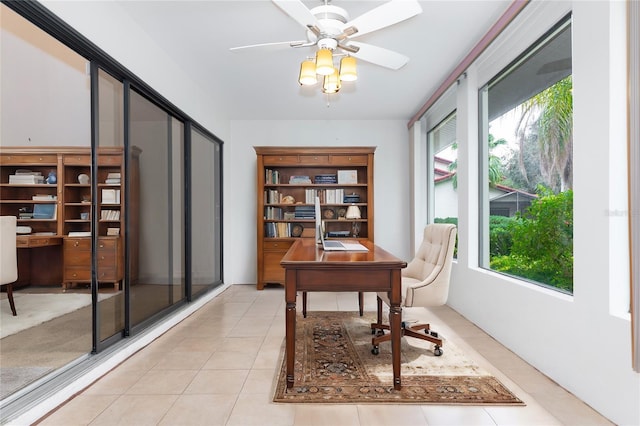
x=305 y=252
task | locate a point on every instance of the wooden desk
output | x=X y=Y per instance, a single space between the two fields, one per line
x=309 y=268
x=39 y=260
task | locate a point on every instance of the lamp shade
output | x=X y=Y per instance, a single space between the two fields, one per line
x=307 y=73
x=348 y=69
x=324 y=62
x=331 y=83
x=353 y=212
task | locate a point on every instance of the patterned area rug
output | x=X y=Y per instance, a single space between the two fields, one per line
x=334 y=364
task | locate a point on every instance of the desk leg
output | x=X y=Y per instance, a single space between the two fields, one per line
x=395 y=321
x=290 y=325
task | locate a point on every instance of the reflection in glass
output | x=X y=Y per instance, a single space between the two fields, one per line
x=206 y=212
x=160 y=277
x=110 y=247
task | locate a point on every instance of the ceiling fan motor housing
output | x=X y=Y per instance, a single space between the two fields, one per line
x=331 y=19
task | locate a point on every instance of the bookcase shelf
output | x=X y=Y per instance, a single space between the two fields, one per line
x=289 y=178
x=70 y=207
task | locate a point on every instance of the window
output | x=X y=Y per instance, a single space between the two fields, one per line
x=526 y=165
x=443 y=156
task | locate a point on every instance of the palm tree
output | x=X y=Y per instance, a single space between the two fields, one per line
x=549 y=116
x=495 y=162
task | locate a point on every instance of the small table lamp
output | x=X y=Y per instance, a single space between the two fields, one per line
x=353 y=213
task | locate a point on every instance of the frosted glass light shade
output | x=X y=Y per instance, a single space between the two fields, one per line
x=307 y=73
x=331 y=83
x=348 y=69
x=324 y=62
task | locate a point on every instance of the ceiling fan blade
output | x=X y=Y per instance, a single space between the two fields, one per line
x=385 y=15
x=277 y=44
x=299 y=12
x=379 y=56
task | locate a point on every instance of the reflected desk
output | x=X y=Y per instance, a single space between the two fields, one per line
x=39 y=260
x=309 y=268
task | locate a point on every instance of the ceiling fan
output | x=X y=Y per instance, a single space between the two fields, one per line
x=329 y=27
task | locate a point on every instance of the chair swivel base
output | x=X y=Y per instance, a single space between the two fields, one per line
x=419 y=331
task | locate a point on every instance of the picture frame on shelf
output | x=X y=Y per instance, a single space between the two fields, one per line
x=347 y=177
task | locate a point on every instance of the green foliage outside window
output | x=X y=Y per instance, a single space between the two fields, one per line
x=537 y=245
x=542 y=242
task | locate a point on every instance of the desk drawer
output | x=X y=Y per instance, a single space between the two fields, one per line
x=77 y=274
x=77 y=258
x=77 y=244
x=277 y=245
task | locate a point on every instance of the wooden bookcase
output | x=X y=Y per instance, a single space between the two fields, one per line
x=71 y=223
x=283 y=204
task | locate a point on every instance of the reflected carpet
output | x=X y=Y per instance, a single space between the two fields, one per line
x=334 y=364
x=35 y=309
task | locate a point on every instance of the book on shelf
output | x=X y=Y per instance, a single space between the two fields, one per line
x=272 y=213
x=114 y=175
x=113 y=231
x=112 y=181
x=44 y=211
x=110 y=215
x=277 y=229
x=325 y=179
x=44 y=197
x=304 y=212
x=299 y=179
x=271 y=176
x=26 y=177
x=80 y=234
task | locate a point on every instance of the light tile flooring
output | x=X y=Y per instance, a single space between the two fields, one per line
x=217 y=368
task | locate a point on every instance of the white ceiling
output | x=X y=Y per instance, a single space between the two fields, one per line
x=261 y=83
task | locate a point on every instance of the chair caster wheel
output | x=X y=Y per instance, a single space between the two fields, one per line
x=437 y=351
x=375 y=350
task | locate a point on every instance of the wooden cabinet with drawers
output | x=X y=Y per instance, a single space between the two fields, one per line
x=61 y=199
x=284 y=199
x=77 y=261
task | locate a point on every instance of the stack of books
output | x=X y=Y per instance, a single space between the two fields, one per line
x=305 y=212
x=44 y=197
x=23 y=176
x=299 y=179
x=326 y=179
x=112 y=179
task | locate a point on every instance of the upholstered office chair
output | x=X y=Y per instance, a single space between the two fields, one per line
x=425 y=283
x=8 y=257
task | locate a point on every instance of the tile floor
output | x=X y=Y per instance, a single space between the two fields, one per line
x=217 y=368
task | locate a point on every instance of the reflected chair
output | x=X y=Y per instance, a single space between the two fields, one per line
x=425 y=283
x=8 y=257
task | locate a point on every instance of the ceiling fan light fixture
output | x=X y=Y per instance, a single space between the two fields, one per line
x=348 y=69
x=331 y=83
x=324 y=62
x=307 y=75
